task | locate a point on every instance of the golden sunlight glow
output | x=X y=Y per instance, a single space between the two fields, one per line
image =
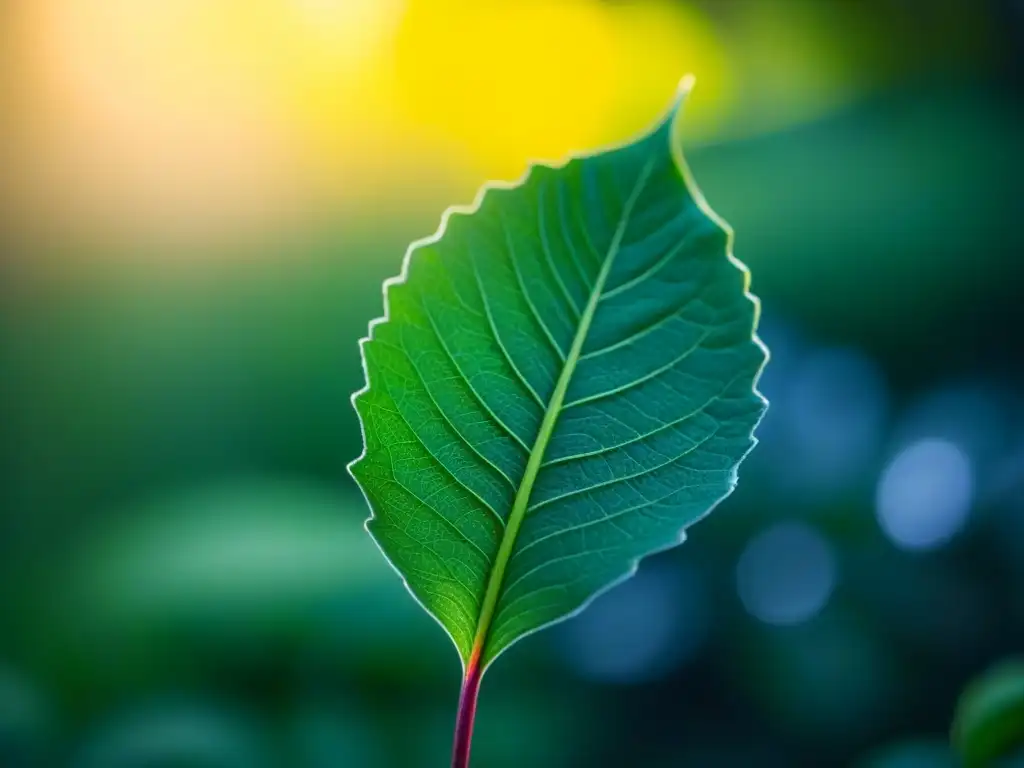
x=190 y=117
x=184 y=117
x=509 y=81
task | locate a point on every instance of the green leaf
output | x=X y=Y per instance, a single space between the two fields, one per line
x=563 y=381
x=989 y=721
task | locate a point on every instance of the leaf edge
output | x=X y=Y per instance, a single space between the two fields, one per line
x=671 y=120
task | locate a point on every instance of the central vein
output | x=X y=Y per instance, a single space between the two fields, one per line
x=547 y=428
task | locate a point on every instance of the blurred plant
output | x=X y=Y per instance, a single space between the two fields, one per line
x=223 y=573
x=601 y=365
x=989 y=721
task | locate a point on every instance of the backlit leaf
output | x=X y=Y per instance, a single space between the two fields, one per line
x=563 y=381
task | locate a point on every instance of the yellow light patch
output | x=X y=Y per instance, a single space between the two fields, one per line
x=194 y=117
x=509 y=81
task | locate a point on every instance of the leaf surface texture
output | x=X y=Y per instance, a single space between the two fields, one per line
x=563 y=382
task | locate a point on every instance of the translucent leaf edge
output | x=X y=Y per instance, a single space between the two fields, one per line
x=673 y=116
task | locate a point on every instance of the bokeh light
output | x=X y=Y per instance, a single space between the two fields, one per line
x=833 y=407
x=925 y=494
x=786 y=574
x=640 y=630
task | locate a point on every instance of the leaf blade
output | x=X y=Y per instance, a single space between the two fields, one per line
x=592 y=344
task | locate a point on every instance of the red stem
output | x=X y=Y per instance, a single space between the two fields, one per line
x=467 y=711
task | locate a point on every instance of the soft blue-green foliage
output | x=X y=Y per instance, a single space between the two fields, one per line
x=565 y=380
x=989 y=721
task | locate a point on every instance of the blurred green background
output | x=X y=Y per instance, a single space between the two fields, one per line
x=198 y=202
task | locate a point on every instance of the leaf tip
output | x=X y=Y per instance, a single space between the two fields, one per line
x=683 y=89
x=685 y=86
